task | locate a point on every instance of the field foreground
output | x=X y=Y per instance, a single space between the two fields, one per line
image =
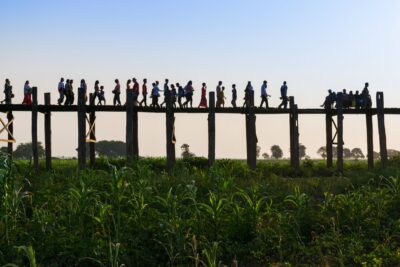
x=199 y=216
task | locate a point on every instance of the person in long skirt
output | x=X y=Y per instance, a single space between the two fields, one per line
x=27 y=94
x=203 y=101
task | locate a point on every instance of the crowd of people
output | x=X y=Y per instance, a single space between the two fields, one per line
x=182 y=96
x=349 y=99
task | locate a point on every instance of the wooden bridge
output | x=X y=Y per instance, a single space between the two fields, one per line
x=87 y=117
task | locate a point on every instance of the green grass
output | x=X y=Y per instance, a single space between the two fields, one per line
x=139 y=216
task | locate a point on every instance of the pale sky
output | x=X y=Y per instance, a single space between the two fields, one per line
x=314 y=45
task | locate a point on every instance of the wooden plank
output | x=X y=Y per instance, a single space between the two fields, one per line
x=329 y=139
x=47 y=132
x=251 y=135
x=381 y=128
x=170 y=142
x=92 y=135
x=81 y=129
x=370 y=140
x=211 y=129
x=339 y=132
x=129 y=126
x=35 y=153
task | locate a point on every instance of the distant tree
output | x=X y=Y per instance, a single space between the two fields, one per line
x=3 y=150
x=112 y=148
x=302 y=151
x=357 y=153
x=391 y=153
x=265 y=155
x=346 y=153
x=276 y=152
x=322 y=151
x=24 y=151
x=376 y=155
x=186 y=152
x=258 y=150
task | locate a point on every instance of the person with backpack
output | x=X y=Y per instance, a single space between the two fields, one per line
x=284 y=96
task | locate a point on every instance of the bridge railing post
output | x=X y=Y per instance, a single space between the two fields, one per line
x=211 y=129
x=381 y=128
x=170 y=138
x=47 y=131
x=339 y=103
x=81 y=129
x=129 y=126
x=35 y=153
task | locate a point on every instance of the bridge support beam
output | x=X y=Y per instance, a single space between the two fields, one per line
x=251 y=134
x=81 y=129
x=47 y=131
x=381 y=128
x=92 y=134
x=35 y=153
x=294 y=135
x=170 y=135
x=339 y=132
x=329 y=138
x=129 y=126
x=211 y=129
x=370 y=139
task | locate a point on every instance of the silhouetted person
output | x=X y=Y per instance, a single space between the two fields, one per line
x=264 y=95
x=352 y=101
x=27 y=94
x=329 y=99
x=174 y=94
x=155 y=94
x=203 y=100
x=135 y=91
x=247 y=93
x=144 y=93
x=102 y=97
x=357 y=98
x=71 y=92
x=181 y=93
x=8 y=95
x=234 y=95
x=166 y=91
x=128 y=87
x=345 y=99
x=189 y=94
x=96 y=91
x=222 y=95
x=83 y=86
x=284 y=96
x=117 y=93
x=61 y=91
x=218 y=92
x=365 y=96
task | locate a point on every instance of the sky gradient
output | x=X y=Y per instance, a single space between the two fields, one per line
x=313 y=45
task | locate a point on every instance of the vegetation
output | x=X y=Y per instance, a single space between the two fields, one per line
x=228 y=214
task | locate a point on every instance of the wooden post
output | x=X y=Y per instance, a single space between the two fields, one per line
x=47 y=131
x=294 y=135
x=370 y=140
x=81 y=129
x=92 y=120
x=329 y=139
x=381 y=128
x=34 y=129
x=135 y=134
x=129 y=126
x=251 y=135
x=170 y=142
x=211 y=129
x=10 y=117
x=339 y=132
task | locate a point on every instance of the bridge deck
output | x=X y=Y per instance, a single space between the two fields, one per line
x=110 y=108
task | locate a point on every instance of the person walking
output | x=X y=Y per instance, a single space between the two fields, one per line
x=365 y=96
x=218 y=92
x=155 y=94
x=96 y=91
x=264 y=95
x=166 y=91
x=247 y=92
x=101 y=96
x=135 y=91
x=61 y=91
x=27 y=94
x=174 y=94
x=8 y=95
x=284 y=96
x=189 y=94
x=117 y=93
x=181 y=93
x=203 y=101
x=83 y=87
x=144 y=93
x=222 y=96
x=234 y=95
